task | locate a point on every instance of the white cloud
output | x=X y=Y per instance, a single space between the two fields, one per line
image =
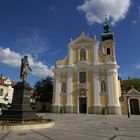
x=9 y=57
x=14 y=59
x=95 y=10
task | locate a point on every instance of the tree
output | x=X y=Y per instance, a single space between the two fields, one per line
x=44 y=89
x=127 y=84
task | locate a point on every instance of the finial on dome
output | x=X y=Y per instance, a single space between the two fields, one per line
x=95 y=37
x=83 y=34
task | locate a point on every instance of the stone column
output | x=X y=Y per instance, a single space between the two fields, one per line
x=113 y=92
x=96 y=47
x=117 y=102
x=69 y=104
x=70 y=57
x=57 y=94
x=96 y=91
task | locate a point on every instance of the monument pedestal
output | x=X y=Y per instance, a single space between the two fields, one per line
x=20 y=109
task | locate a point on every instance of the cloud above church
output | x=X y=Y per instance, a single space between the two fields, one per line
x=95 y=10
x=13 y=59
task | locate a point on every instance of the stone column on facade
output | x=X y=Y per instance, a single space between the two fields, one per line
x=118 y=108
x=96 y=91
x=70 y=56
x=114 y=53
x=69 y=104
x=57 y=94
x=96 y=47
x=113 y=92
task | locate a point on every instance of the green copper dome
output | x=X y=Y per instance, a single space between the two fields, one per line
x=107 y=35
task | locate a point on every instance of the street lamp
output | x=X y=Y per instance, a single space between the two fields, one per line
x=128 y=112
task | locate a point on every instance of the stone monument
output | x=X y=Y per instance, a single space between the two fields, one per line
x=20 y=109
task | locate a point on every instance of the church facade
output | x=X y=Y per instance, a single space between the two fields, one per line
x=86 y=80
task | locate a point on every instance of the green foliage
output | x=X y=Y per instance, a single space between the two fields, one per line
x=44 y=89
x=127 y=84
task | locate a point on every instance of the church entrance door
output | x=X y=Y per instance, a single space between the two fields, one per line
x=134 y=106
x=82 y=105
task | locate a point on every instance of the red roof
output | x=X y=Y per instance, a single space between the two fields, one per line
x=2 y=80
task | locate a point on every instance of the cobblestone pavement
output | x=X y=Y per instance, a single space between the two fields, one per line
x=82 y=127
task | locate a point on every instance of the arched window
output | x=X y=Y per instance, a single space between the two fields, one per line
x=108 y=51
x=63 y=87
x=82 y=77
x=82 y=54
x=103 y=86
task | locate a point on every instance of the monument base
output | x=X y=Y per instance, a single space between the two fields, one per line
x=20 y=109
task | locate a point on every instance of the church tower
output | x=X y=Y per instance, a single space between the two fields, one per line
x=108 y=43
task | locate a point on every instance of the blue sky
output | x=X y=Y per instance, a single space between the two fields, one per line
x=43 y=28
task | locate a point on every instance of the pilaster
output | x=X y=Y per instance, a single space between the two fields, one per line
x=96 y=91
x=70 y=56
x=96 y=47
x=69 y=92
x=57 y=91
x=113 y=92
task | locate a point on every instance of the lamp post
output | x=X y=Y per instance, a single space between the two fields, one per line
x=128 y=112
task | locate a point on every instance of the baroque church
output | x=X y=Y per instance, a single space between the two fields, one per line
x=86 y=80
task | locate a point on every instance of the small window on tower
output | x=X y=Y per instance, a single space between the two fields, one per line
x=108 y=51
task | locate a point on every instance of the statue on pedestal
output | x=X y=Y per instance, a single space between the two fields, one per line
x=24 y=68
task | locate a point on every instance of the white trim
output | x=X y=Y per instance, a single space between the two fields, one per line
x=96 y=88
x=70 y=56
x=95 y=57
x=110 y=88
x=69 y=89
x=57 y=90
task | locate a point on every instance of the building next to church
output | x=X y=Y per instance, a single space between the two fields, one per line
x=130 y=102
x=6 y=90
x=86 y=80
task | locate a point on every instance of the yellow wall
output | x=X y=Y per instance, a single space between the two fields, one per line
x=63 y=99
x=75 y=90
x=90 y=55
x=104 y=100
x=75 y=56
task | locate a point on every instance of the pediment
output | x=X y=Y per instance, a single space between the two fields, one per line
x=133 y=92
x=82 y=39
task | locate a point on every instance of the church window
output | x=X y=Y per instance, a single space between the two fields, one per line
x=82 y=77
x=63 y=87
x=82 y=54
x=108 y=51
x=103 y=86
